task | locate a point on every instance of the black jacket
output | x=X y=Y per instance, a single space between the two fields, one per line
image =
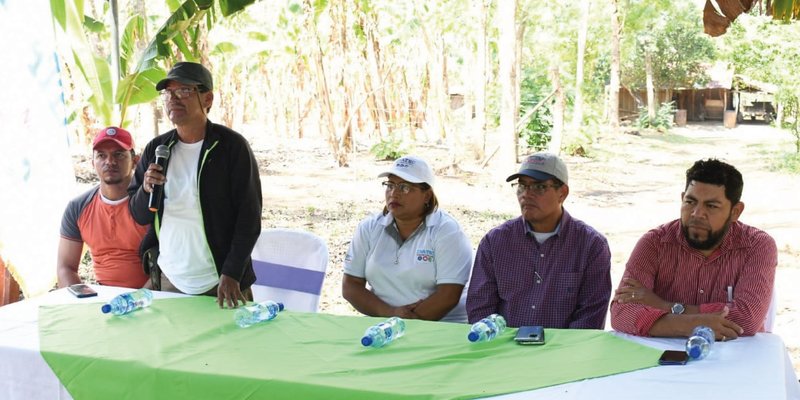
x=230 y=198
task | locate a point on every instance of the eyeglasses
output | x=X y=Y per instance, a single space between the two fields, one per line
x=537 y=188
x=178 y=93
x=404 y=188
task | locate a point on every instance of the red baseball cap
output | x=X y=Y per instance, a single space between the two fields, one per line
x=120 y=136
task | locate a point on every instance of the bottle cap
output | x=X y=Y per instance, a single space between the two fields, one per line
x=106 y=308
x=473 y=336
x=280 y=306
x=694 y=351
x=366 y=341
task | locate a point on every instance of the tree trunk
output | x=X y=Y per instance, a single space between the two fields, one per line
x=424 y=99
x=451 y=137
x=372 y=53
x=518 y=82
x=651 y=100
x=557 y=133
x=416 y=117
x=794 y=115
x=613 y=86
x=323 y=97
x=506 y=20
x=372 y=110
x=479 y=79
x=438 y=99
x=577 y=114
x=339 y=14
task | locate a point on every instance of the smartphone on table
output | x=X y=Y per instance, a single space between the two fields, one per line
x=530 y=335
x=673 y=357
x=81 y=290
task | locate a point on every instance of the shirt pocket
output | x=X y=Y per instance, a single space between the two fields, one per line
x=569 y=282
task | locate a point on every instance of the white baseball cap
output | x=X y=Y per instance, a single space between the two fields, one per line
x=412 y=169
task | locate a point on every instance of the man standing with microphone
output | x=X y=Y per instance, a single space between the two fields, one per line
x=206 y=214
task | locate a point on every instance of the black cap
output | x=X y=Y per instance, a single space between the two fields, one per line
x=188 y=73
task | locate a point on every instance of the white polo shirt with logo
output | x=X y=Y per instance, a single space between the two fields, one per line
x=401 y=273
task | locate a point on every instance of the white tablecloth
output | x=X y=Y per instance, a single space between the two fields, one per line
x=24 y=375
x=755 y=367
x=747 y=368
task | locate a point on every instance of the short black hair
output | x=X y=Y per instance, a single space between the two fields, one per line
x=716 y=172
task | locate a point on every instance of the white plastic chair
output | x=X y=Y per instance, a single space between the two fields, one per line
x=290 y=267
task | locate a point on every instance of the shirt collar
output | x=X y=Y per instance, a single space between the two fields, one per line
x=565 y=220
x=432 y=219
x=732 y=239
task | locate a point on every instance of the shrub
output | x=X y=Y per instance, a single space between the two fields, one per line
x=389 y=149
x=663 y=120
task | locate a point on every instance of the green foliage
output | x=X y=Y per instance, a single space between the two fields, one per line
x=792 y=110
x=786 y=9
x=389 y=149
x=133 y=32
x=788 y=162
x=663 y=120
x=93 y=25
x=579 y=144
x=755 y=42
x=679 y=49
x=534 y=88
x=537 y=132
x=137 y=76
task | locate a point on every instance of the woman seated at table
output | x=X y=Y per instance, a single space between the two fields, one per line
x=414 y=256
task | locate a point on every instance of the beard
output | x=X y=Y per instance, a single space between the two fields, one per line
x=713 y=239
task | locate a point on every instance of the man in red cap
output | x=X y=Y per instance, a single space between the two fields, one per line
x=101 y=219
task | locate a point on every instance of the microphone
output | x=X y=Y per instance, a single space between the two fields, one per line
x=162 y=154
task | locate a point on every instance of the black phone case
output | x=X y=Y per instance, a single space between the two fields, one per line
x=530 y=335
x=673 y=357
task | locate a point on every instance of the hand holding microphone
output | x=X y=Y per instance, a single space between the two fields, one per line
x=155 y=172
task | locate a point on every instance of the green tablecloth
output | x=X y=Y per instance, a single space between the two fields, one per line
x=187 y=348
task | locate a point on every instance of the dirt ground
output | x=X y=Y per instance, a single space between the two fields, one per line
x=629 y=184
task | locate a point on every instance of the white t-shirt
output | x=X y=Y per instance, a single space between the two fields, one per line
x=401 y=273
x=184 y=255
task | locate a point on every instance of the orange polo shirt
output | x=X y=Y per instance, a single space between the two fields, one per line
x=112 y=235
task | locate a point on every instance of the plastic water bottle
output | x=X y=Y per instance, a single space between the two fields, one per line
x=487 y=328
x=250 y=315
x=128 y=302
x=381 y=334
x=699 y=344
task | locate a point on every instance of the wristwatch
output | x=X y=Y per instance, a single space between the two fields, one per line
x=678 y=308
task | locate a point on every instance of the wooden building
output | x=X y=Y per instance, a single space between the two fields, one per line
x=701 y=103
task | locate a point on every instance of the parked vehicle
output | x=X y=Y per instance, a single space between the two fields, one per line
x=754 y=105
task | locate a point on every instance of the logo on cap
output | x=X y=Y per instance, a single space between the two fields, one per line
x=533 y=160
x=404 y=163
x=115 y=134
